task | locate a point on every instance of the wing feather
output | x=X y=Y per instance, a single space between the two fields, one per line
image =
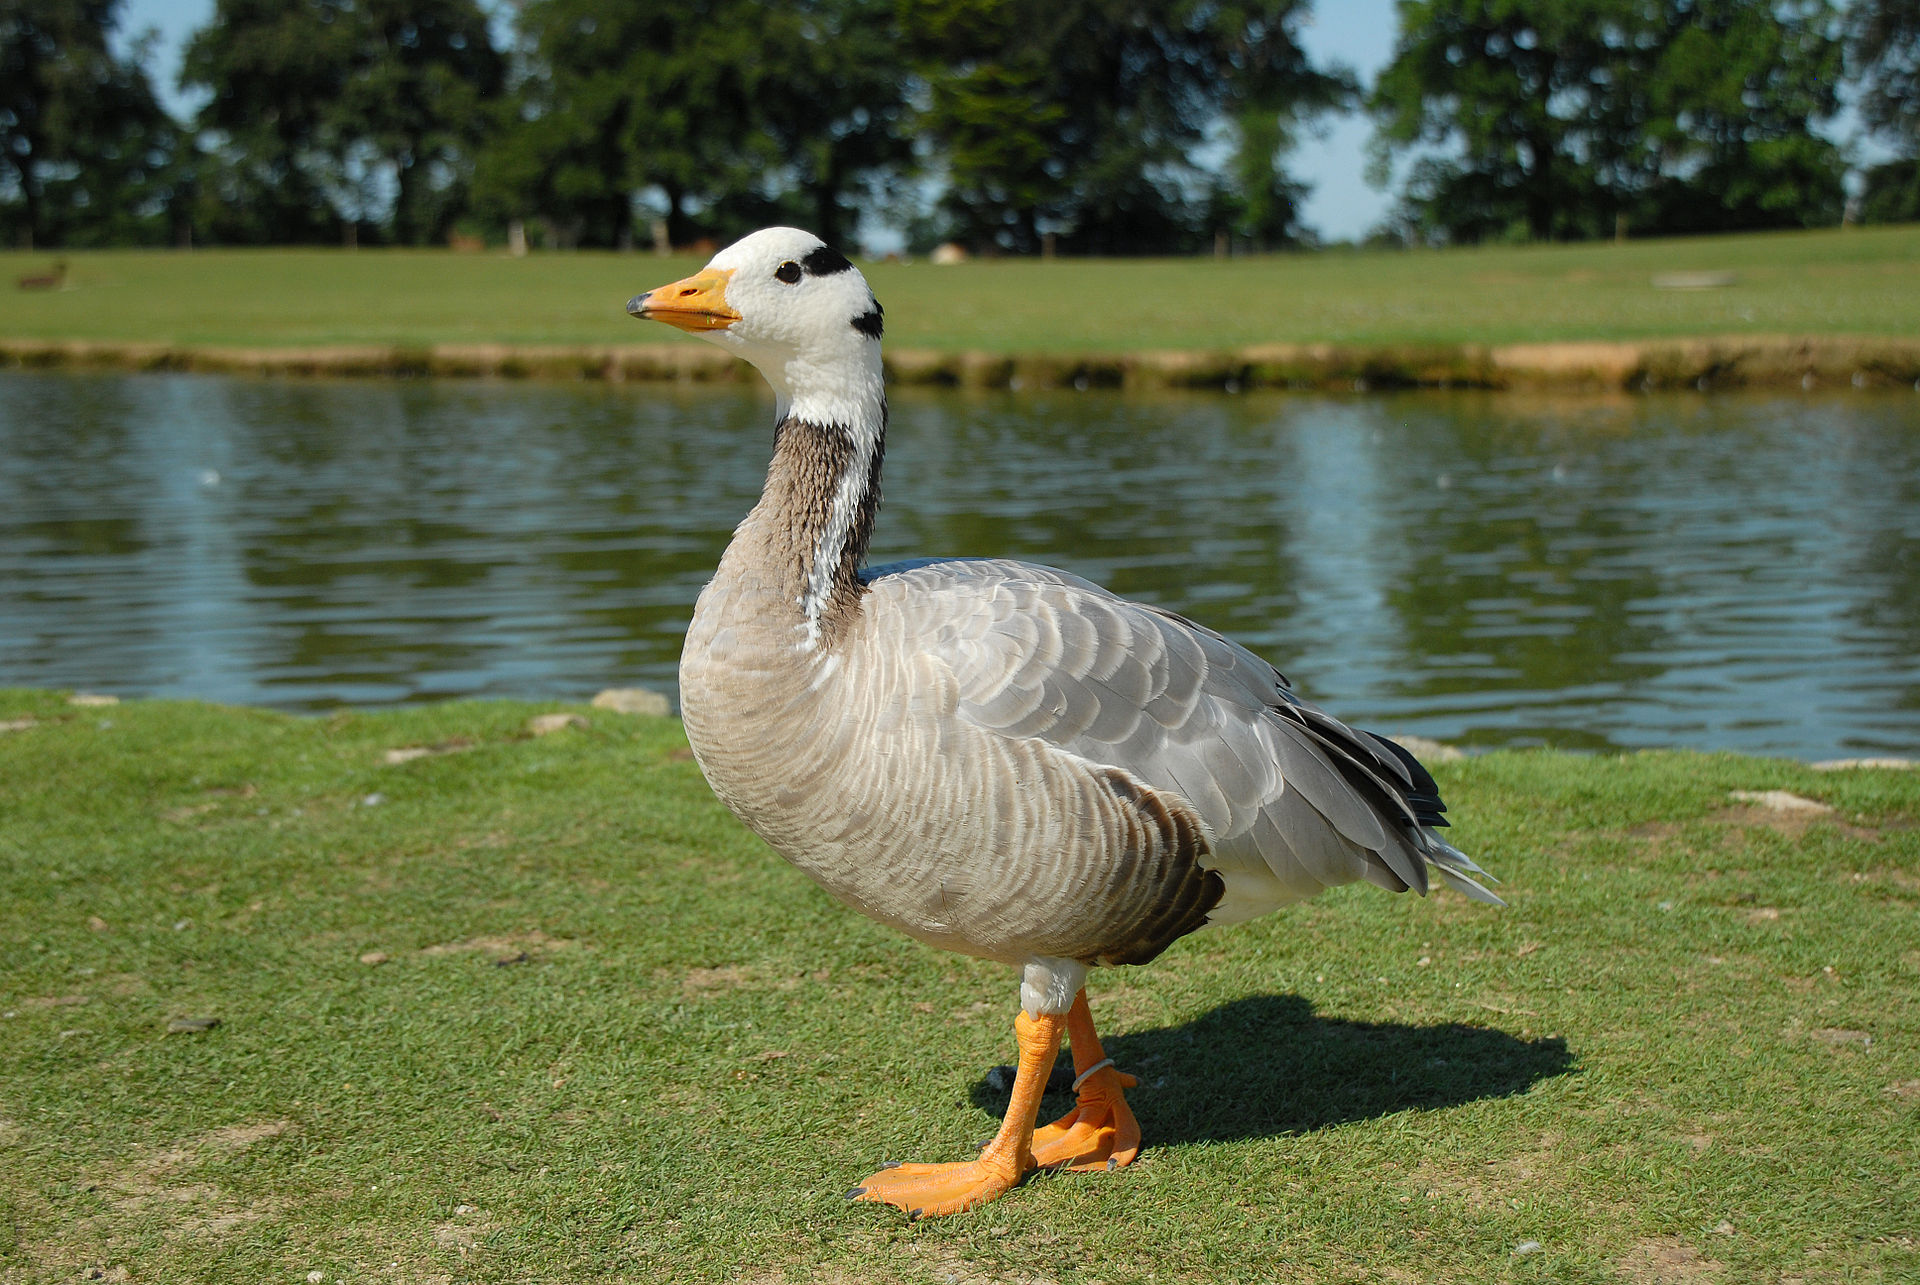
x=1293 y=800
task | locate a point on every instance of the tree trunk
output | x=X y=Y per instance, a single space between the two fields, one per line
x=676 y=220
x=406 y=218
x=23 y=168
x=826 y=202
x=1540 y=196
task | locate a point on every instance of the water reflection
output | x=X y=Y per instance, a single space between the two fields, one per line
x=1727 y=572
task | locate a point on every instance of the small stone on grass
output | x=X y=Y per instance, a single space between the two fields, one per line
x=1778 y=801
x=1428 y=750
x=548 y=724
x=632 y=700
x=374 y=958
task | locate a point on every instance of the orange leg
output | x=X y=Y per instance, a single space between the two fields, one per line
x=931 y=1190
x=1100 y=1131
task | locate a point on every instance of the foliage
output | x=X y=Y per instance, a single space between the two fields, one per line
x=614 y=99
x=531 y=1008
x=318 y=106
x=87 y=155
x=1576 y=118
x=1892 y=193
x=723 y=115
x=1083 y=119
x=273 y=69
x=1733 y=97
x=830 y=100
x=1884 y=45
x=422 y=70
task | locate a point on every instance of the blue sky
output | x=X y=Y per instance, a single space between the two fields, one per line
x=1358 y=33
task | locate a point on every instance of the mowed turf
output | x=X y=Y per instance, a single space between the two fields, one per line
x=1859 y=282
x=536 y=1008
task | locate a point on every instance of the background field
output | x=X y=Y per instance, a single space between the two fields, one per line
x=535 y=1008
x=1862 y=282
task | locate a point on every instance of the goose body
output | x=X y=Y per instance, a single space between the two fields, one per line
x=997 y=758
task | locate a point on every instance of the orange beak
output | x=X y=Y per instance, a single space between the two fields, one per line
x=697 y=303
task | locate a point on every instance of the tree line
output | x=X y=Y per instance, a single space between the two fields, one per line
x=1016 y=126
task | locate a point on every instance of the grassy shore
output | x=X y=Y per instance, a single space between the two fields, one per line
x=535 y=1008
x=1833 y=305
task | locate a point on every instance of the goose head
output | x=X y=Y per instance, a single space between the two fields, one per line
x=789 y=303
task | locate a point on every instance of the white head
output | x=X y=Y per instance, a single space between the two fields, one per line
x=793 y=306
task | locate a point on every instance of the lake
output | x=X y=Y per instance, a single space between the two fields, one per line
x=1721 y=572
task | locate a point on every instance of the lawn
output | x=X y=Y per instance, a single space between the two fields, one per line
x=1859 y=282
x=535 y=1008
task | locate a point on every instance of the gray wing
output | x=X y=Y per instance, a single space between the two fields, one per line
x=1294 y=801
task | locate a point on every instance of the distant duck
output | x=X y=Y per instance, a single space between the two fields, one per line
x=996 y=758
x=49 y=281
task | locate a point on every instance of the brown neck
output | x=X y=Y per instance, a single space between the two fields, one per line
x=804 y=542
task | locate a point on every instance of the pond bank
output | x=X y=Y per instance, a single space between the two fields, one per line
x=1710 y=362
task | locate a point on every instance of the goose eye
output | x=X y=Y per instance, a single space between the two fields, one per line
x=788 y=272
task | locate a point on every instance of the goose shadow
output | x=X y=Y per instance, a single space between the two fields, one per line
x=1267 y=1065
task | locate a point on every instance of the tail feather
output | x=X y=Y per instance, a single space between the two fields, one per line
x=1456 y=869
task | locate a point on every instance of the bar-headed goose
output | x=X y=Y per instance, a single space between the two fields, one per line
x=999 y=759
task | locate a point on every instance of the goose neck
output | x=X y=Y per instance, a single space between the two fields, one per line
x=805 y=541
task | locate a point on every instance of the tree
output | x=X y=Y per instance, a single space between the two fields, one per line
x=87 y=150
x=422 y=71
x=326 y=106
x=1082 y=118
x=724 y=114
x=828 y=104
x=616 y=98
x=1559 y=119
x=1884 y=48
x=274 y=70
x=1732 y=100
x=1521 y=116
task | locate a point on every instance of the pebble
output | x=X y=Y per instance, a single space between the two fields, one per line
x=374 y=958
x=632 y=700
x=547 y=724
x=315 y=1278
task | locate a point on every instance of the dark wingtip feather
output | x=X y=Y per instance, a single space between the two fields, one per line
x=1423 y=793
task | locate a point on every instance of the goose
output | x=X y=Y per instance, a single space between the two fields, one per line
x=997 y=758
x=53 y=280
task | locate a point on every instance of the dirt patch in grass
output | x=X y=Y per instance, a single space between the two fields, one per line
x=708 y=981
x=506 y=948
x=1789 y=823
x=158 y=1189
x=1665 y=1259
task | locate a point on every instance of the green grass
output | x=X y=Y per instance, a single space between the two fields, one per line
x=1863 y=282
x=616 y=1039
